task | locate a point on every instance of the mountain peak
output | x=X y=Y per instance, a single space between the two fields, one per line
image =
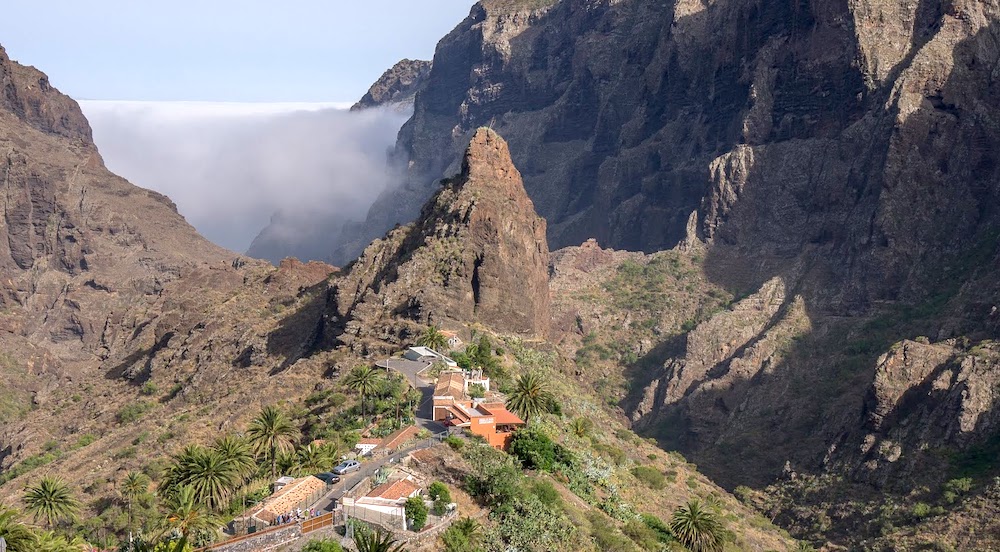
x=488 y=157
x=476 y=240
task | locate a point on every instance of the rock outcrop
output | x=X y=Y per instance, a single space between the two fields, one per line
x=105 y=287
x=846 y=150
x=397 y=86
x=837 y=163
x=476 y=253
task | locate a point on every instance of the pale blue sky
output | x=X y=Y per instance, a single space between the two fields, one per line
x=222 y=50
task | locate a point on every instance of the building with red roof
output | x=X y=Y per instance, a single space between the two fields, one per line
x=453 y=406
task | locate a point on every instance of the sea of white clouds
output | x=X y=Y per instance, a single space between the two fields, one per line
x=230 y=166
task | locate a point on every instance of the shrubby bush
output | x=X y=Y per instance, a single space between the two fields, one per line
x=651 y=477
x=322 y=545
x=537 y=451
x=416 y=511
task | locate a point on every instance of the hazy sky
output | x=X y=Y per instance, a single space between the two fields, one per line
x=222 y=50
x=235 y=109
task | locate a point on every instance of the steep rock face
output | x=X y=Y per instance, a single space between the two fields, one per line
x=104 y=285
x=614 y=110
x=846 y=150
x=836 y=160
x=397 y=86
x=78 y=245
x=477 y=253
x=28 y=95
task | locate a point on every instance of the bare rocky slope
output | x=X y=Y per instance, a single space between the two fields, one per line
x=126 y=336
x=829 y=167
x=397 y=86
x=476 y=242
x=106 y=289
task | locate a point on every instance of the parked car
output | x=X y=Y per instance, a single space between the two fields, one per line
x=347 y=466
x=328 y=477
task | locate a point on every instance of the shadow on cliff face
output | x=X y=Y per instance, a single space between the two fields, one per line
x=887 y=231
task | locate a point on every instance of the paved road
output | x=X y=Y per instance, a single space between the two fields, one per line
x=425 y=413
x=329 y=502
x=409 y=370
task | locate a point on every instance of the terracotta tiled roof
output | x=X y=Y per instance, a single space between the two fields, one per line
x=399 y=437
x=369 y=441
x=395 y=490
x=450 y=384
x=502 y=415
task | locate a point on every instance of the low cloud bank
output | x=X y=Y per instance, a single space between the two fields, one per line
x=233 y=169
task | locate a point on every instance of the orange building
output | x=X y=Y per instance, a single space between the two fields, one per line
x=489 y=419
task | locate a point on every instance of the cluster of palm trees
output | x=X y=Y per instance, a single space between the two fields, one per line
x=381 y=392
x=234 y=463
x=200 y=484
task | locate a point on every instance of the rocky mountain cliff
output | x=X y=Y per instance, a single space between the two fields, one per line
x=80 y=246
x=105 y=288
x=397 y=86
x=829 y=166
x=475 y=241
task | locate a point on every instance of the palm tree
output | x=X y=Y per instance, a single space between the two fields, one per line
x=462 y=536
x=271 y=431
x=365 y=380
x=51 y=542
x=238 y=454
x=312 y=458
x=208 y=473
x=186 y=515
x=377 y=541
x=433 y=338
x=697 y=528
x=51 y=500
x=530 y=396
x=133 y=486
x=18 y=535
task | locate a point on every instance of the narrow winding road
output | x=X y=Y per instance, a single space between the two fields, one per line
x=424 y=419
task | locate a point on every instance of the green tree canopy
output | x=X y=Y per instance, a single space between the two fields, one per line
x=209 y=474
x=187 y=516
x=376 y=541
x=416 y=511
x=238 y=453
x=433 y=338
x=18 y=535
x=365 y=381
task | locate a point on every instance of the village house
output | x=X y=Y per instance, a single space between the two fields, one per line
x=487 y=418
x=387 y=445
x=454 y=342
x=366 y=445
x=383 y=504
